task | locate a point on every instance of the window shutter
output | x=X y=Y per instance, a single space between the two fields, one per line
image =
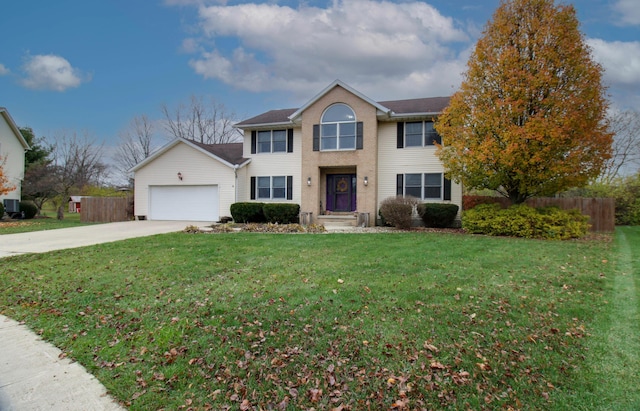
x=254 y=141
x=359 y=137
x=289 y=187
x=290 y=140
x=399 y=184
x=447 y=189
x=316 y=137
x=253 y=188
x=400 y=137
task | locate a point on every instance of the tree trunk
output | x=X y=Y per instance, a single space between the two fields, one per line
x=60 y=215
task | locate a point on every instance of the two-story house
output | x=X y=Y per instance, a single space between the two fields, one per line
x=341 y=152
x=12 y=149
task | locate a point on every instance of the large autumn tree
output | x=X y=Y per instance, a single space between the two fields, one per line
x=529 y=118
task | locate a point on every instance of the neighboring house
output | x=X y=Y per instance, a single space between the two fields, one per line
x=340 y=153
x=12 y=148
x=75 y=203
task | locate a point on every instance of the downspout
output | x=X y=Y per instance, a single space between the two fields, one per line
x=235 y=188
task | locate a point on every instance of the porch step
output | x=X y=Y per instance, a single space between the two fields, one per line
x=338 y=220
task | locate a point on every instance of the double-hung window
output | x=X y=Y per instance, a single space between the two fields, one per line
x=425 y=186
x=272 y=188
x=417 y=134
x=272 y=141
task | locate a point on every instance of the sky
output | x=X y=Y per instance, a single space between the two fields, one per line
x=90 y=67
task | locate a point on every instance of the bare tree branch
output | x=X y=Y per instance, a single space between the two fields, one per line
x=626 y=145
x=203 y=121
x=136 y=143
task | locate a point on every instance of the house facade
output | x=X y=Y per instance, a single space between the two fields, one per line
x=12 y=149
x=339 y=154
x=345 y=153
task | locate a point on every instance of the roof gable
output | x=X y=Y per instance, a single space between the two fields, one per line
x=228 y=154
x=295 y=116
x=12 y=125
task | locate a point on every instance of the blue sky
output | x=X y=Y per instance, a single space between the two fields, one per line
x=91 y=66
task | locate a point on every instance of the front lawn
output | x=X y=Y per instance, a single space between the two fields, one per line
x=47 y=221
x=344 y=321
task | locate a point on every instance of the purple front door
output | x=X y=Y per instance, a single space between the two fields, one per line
x=341 y=192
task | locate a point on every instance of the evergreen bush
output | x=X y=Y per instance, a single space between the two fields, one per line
x=28 y=209
x=247 y=212
x=524 y=221
x=281 y=213
x=438 y=215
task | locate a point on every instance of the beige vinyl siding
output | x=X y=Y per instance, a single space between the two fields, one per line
x=197 y=168
x=273 y=164
x=393 y=161
x=11 y=159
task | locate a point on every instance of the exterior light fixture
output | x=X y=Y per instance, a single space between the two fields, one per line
x=308 y=181
x=179 y=176
x=366 y=180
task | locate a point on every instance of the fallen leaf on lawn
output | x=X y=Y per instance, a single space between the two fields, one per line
x=340 y=281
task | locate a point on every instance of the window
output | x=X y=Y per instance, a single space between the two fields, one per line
x=272 y=187
x=427 y=186
x=272 y=141
x=417 y=134
x=338 y=128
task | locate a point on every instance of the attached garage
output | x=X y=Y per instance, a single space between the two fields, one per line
x=189 y=181
x=184 y=203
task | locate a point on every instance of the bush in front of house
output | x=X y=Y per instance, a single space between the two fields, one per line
x=550 y=223
x=281 y=213
x=397 y=211
x=29 y=209
x=438 y=215
x=1 y=210
x=247 y=212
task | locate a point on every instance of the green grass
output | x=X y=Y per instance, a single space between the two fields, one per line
x=47 y=221
x=363 y=321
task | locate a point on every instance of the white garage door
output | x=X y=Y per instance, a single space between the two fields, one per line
x=185 y=203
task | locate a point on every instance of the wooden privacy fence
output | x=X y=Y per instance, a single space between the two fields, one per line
x=104 y=209
x=601 y=211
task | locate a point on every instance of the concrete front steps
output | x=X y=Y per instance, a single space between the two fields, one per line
x=342 y=221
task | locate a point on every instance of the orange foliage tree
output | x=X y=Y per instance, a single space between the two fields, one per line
x=5 y=184
x=529 y=118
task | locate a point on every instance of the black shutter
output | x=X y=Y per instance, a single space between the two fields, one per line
x=253 y=188
x=290 y=140
x=254 y=142
x=399 y=184
x=400 y=137
x=316 y=137
x=447 y=189
x=289 y=187
x=359 y=137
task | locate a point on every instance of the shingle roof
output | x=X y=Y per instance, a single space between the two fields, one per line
x=428 y=105
x=270 y=117
x=417 y=105
x=230 y=152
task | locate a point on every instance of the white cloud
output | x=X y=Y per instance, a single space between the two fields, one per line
x=407 y=47
x=621 y=60
x=50 y=72
x=629 y=11
x=3 y=70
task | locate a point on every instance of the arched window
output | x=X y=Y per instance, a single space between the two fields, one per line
x=338 y=128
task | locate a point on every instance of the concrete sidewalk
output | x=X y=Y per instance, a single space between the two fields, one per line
x=32 y=374
x=34 y=377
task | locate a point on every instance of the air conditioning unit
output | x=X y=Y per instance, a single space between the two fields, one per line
x=11 y=206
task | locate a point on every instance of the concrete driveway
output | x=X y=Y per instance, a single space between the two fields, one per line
x=49 y=240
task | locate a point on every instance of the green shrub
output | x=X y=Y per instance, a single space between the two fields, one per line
x=29 y=209
x=281 y=213
x=524 y=221
x=397 y=211
x=438 y=215
x=1 y=209
x=247 y=212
